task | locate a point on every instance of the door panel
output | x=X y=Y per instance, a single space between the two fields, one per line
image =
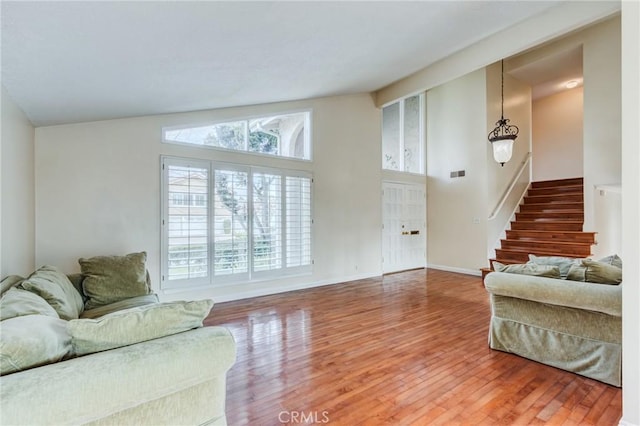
x=404 y=227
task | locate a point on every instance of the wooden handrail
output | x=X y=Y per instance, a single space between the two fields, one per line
x=506 y=194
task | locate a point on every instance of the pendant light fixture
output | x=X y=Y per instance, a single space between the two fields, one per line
x=503 y=136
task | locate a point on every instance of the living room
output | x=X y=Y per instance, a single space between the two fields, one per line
x=93 y=187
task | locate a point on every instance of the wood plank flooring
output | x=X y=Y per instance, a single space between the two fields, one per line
x=404 y=349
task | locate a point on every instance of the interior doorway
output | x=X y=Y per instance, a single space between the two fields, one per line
x=404 y=226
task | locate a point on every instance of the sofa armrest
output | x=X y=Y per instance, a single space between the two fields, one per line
x=593 y=297
x=88 y=388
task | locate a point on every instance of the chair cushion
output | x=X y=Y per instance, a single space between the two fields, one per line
x=135 y=325
x=54 y=287
x=109 y=279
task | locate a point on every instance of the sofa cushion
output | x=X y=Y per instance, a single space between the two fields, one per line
x=54 y=287
x=109 y=279
x=135 y=325
x=17 y=302
x=32 y=340
x=563 y=263
x=528 y=269
x=133 y=302
x=592 y=271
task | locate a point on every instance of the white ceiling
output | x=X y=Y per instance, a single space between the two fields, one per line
x=550 y=74
x=65 y=62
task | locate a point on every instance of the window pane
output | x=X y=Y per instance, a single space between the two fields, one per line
x=284 y=135
x=230 y=232
x=224 y=135
x=391 y=137
x=187 y=229
x=298 y=219
x=267 y=222
x=412 y=143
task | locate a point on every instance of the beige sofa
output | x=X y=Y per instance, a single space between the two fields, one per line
x=175 y=379
x=575 y=326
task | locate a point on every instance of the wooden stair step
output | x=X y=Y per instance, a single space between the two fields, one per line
x=541 y=225
x=523 y=256
x=571 y=215
x=574 y=249
x=562 y=198
x=568 y=236
x=537 y=207
x=558 y=190
x=557 y=182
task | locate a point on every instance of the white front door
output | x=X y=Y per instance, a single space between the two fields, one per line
x=404 y=218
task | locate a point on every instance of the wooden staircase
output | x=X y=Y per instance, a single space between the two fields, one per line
x=549 y=223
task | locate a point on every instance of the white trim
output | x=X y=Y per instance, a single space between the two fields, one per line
x=609 y=188
x=465 y=271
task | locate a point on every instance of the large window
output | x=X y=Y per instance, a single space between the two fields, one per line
x=224 y=222
x=282 y=135
x=403 y=135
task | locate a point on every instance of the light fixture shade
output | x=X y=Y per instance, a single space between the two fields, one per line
x=504 y=134
x=502 y=150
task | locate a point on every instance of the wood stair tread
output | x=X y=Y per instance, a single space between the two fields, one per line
x=561 y=243
x=557 y=182
x=548 y=223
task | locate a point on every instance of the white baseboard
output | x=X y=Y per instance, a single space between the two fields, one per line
x=465 y=271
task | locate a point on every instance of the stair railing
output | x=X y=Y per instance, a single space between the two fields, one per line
x=514 y=181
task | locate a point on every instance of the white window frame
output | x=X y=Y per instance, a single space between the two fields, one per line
x=401 y=148
x=244 y=277
x=307 y=134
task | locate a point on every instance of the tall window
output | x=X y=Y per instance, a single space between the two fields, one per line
x=254 y=223
x=403 y=135
x=282 y=135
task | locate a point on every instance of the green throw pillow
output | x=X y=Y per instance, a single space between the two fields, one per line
x=529 y=269
x=109 y=279
x=563 y=263
x=31 y=341
x=613 y=260
x=592 y=271
x=136 y=325
x=17 y=302
x=54 y=287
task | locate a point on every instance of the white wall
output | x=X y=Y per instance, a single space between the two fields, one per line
x=98 y=189
x=601 y=105
x=602 y=111
x=607 y=219
x=557 y=136
x=18 y=186
x=630 y=212
x=456 y=132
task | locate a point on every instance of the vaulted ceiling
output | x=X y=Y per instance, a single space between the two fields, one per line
x=65 y=62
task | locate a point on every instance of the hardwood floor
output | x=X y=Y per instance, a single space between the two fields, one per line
x=408 y=348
